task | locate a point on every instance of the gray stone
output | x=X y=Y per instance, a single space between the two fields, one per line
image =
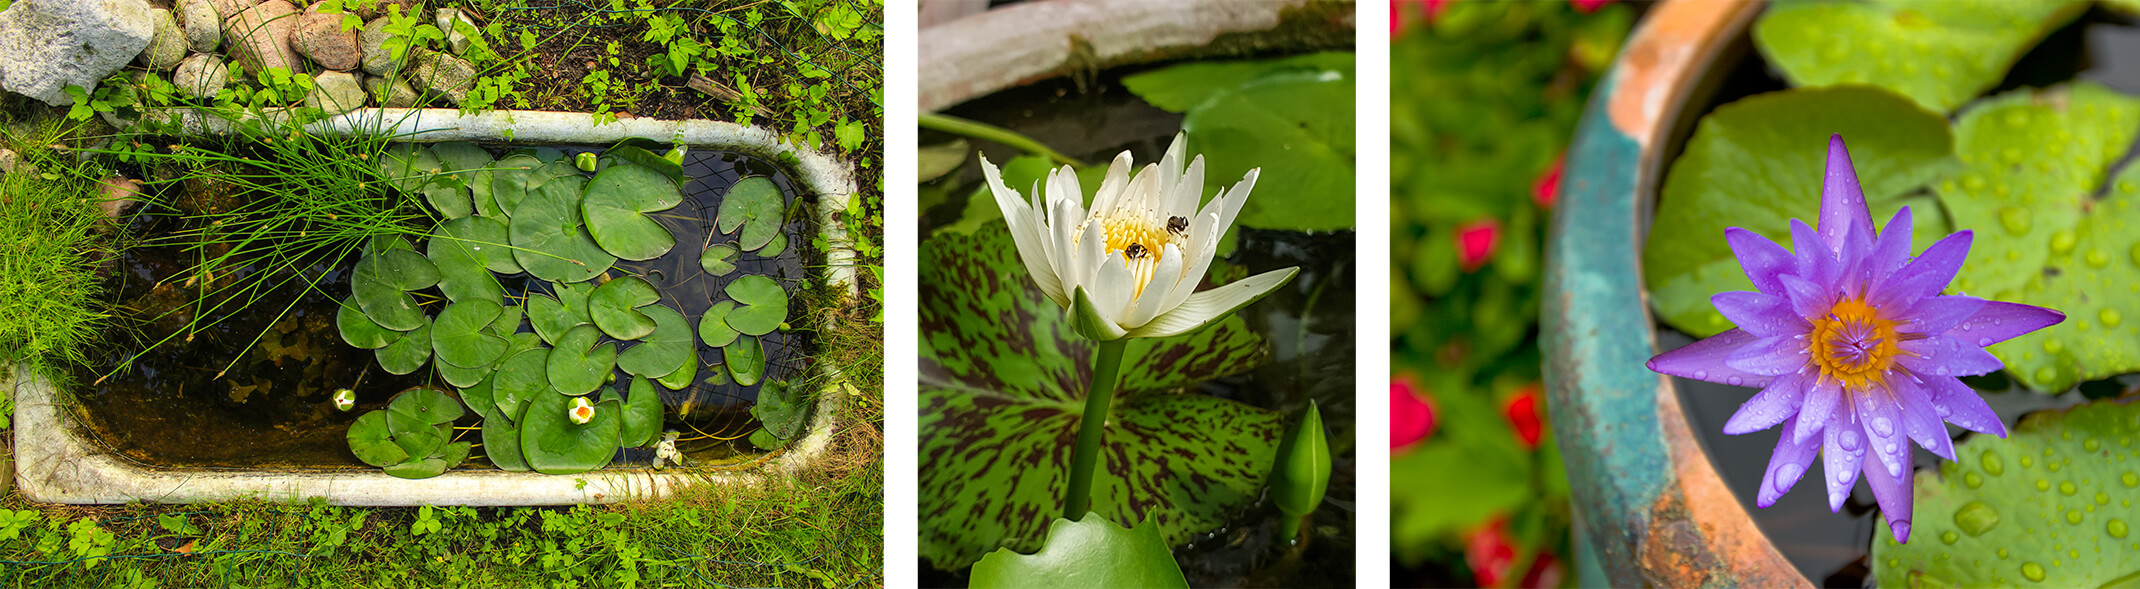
x=201 y=76
x=9 y=162
x=260 y=37
x=455 y=41
x=390 y=93
x=320 y=37
x=48 y=45
x=167 y=46
x=203 y=25
x=231 y=7
x=372 y=45
x=336 y=93
x=445 y=75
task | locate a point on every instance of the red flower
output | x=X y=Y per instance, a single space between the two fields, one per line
x=1588 y=6
x=1490 y=553
x=1522 y=413
x=1411 y=413
x=1546 y=189
x=1475 y=242
x=1545 y=573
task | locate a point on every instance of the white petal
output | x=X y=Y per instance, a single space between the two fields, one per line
x=1203 y=244
x=1181 y=202
x=1165 y=278
x=1091 y=254
x=1141 y=196
x=1112 y=288
x=1025 y=224
x=1062 y=228
x=1170 y=165
x=1209 y=306
x=1111 y=186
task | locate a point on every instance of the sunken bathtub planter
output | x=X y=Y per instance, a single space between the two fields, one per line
x=72 y=449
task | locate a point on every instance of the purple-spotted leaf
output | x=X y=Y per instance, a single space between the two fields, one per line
x=1003 y=382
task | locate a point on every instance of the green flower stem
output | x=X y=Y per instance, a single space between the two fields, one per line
x=987 y=132
x=1289 y=527
x=1090 y=426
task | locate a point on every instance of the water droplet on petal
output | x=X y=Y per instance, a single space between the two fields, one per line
x=1983 y=341
x=1734 y=381
x=1950 y=537
x=2015 y=219
x=1884 y=427
x=2110 y=317
x=1974 y=480
x=1701 y=375
x=1992 y=464
x=1787 y=475
x=2067 y=488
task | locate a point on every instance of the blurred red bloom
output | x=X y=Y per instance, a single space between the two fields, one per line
x=1411 y=413
x=1491 y=553
x=1588 y=6
x=1545 y=573
x=1546 y=189
x=1475 y=242
x=1522 y=413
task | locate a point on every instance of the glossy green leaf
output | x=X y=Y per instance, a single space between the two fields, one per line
x=381 y=281
x=449 y=456
x=774 y=248
x=1002 y=371
x=410 y=353
x=501 y=441
x=462 y=377
x=552 y=317
x=460 y=335
x=782 y=409
x=1298 y=128
x=1758 y=163
x=614 y=306
x=2032 y=159
x=641 y=154
x=2064 y=518
x=480 y=397
x=1939 y=54
x=616 y=208
x=713 y=326
x=552 y=237
x=765 y=440
x=523 y=376
x=418 y=407
x=745 y=360
x=461 y=158
x=755 y=206
x=718 y=259
x=667 y=348
x=578 y=366
x=407 y=166
x=555 y=445
x=463 y=274
x=361 y=331
x=518 y=174
x=508 y=323
x=761 y=305
x=372 y=442
x=482 y=239
x=1302 y=469
x=642 y=414
x=683 y=375
x=1183 y=87
x=1090 y=552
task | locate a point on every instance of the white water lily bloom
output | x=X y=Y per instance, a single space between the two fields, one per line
x=1130 y=266
x=581 y=411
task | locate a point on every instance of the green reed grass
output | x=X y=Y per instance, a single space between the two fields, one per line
x=52 y=236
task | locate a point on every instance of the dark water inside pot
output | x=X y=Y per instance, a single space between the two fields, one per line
x=252 y=389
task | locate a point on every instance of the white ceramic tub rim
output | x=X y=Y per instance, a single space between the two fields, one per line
x=56 y=463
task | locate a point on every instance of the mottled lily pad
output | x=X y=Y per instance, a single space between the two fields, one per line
x=614 y=306
x=761 y=305
x=381 y=282
x=361 y=331
x=718 y=259
x=642 y=414
x=745 y=360
x=713 y=326
x=1089 y=552
x=551 y=237
x=552 y=317
x=754 y=205
x=667 y=348
x=1001 y=370
x=577 y=365
x=1939 y=54
x=555 y=445
x=616 y=208
x=1758 y=163
x=2064 y=518
x=410 y=353
x=460 y=335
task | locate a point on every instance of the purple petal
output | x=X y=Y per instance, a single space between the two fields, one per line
x=1774 y=404
x=1807 y=299
x=1821 y=401
x=1924 y=276
x=1842 y=452
x=1893 y=249
x=1704 y=360
x=1958 y=404
x=1882 y=419
x=1943 y=355
x=1854 y=273
x=1918 y=416
x=1816 y=260
x=1937 y=314
x=1760 y=258
x=1760 y=314
x=1770 y=356
x=1842 y=202
x=2000 y=321
x=1789 y=463
x=1893 y=494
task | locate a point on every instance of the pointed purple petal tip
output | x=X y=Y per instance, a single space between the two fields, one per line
x=1901 y=528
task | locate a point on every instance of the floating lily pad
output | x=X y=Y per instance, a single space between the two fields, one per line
x=1090 y=552
x=381 y=282
x=453 y=454
x=555 y=445
x=463 y=275
x=683 y=375
x=482 y=239
x=448 y=191
x=1940 y=54
x=2064 y=519
x=642 y=414
x=614 y=306
x=551 y=237
x=1297 y=127
x=372 y=442
x=552 y=317
x=718 y=259
x=508 y=323
x=518 y=174
x=462 y=377
x=754 y=205
x=523 y=376
x=666 y=349
x=745 y=360
x=410 y=353
x=578 y=366
x=421 y=407
x=459 y=334
x=407 y=167
x=501 y=441
x=1758 y=163
x=773 y=248
x=481 y=396
x=641 y=155
x=713 y=326
x=361 y=331
x=616 y=208
x=761 y=305
x=782 y=409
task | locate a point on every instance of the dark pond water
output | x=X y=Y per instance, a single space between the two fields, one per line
x=215 y=396
x=1309 y=324
x=1832 y=549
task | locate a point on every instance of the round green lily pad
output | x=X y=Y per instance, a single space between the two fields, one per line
x=481 y=396
x=523 y=376
x=407 y=167
x=555 y=445
x=642 y=414
x=552 y=237
x=745 y=360
x=782 y=409
x=761 y=305
x=578 y=366
x=718 y=259
x=615 y=307
x=462 y=274
x=616 y=205
x=713 y=326
x=681 y=378
x=361 y=331
x=1089 y=552
x=418 y=407
x=460 y=335
x=667 y=348
x=774 y=248
x=372 y=442
x=381 y=282
x=501 y=441
x=754 y=205
x=508 y=323
x=552 y=317
x=410 y=353
x=484 y=239
x=462 y=377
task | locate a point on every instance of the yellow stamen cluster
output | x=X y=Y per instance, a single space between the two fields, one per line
x=1853 y=344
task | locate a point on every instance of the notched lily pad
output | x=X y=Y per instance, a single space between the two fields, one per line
x=410 y=353
x=577 y=365
x=460 y=335
x=1940 y=54
x=761 y=305
x=552 y=236
x=616 y=208
x=614 y=306
x=552 y=317
x=745 y=360
x=361 y=331
x=718 y=259
x=523 y=376
x=782 y=409
x=667 y=348
x=713 y=326
x=381 y=281
x=555 y=445
x=755 y=206
x=642 y=414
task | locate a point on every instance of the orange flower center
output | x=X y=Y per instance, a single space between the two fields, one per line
x=1854 y=344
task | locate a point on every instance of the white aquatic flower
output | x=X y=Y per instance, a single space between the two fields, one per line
x=345 y=399
x=1130 y=266
x=581 y=411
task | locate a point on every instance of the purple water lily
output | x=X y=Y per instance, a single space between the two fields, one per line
x=1853 y=347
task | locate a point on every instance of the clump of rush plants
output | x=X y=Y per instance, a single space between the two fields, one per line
x=53 y=236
